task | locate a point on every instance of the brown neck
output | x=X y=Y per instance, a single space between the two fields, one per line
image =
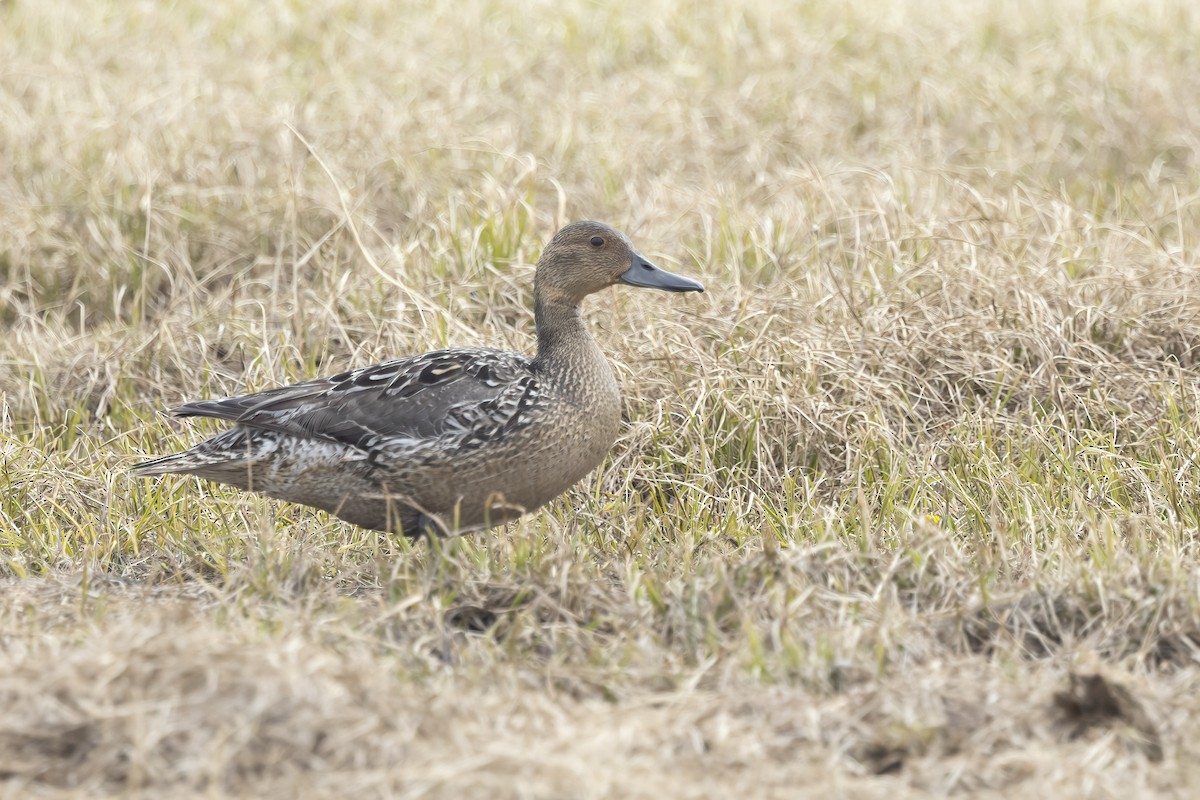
x=567 y=351
x=560 y=329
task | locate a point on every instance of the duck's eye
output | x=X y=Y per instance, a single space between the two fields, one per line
x=597 y=241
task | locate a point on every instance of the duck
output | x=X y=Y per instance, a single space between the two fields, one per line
x=446 y=442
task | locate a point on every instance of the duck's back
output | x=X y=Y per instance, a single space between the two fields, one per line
x=470 y=436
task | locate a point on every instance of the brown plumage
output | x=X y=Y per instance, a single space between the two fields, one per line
x=448 y=441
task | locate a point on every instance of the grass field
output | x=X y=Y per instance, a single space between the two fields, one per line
x=907 y=504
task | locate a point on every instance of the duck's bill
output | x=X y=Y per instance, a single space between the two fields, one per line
x=644 y=274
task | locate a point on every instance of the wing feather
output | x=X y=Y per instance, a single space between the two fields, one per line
x=466 y=394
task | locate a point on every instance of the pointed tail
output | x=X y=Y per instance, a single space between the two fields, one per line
x=166 y=465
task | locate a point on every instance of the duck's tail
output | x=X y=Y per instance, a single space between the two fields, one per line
x=229 y=457
x=167 y=465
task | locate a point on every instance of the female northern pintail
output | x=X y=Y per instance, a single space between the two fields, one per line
x=449 y=441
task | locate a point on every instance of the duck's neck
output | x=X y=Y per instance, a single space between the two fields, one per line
x=564 y=342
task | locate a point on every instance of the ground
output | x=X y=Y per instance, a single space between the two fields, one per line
x=906 y=504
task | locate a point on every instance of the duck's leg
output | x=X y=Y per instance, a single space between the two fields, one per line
x=430 y=527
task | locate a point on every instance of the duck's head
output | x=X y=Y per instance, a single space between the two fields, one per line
x=585 y=257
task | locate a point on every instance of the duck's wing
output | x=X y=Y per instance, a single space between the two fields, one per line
x=460 y=398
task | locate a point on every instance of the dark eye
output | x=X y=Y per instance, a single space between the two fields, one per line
x=597 y=241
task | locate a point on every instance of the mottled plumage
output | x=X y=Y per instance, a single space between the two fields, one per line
x=452 y=440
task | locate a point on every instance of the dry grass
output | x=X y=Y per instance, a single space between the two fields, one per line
x=919 y=463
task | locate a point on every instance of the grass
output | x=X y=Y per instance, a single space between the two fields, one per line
x=905 y=504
